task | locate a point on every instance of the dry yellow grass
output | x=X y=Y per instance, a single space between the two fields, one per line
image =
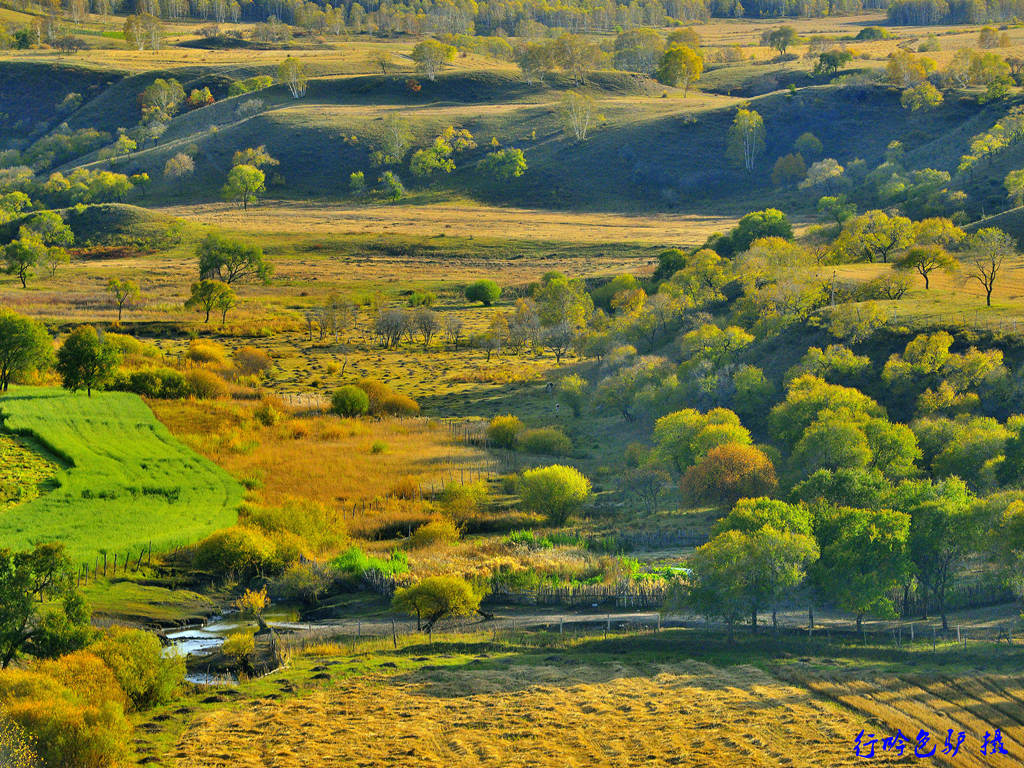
x=973 y=703
x=687 y=714
x=325 y=459
x=459 y=219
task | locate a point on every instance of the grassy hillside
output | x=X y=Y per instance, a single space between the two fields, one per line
x=127 y=482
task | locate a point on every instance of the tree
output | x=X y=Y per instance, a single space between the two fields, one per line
x=428 y=323
x=555 y=492
x=292 y=72
x=51 y=229
x=837 y=208
x=179 y=166
x=225 y=300
x=579 y=113
x=257 y=157
x=41 y=610
x=829 y=62
x=746 y=139
x=780 y=39
x=987 y=252
x=22 y=255
x=925 y=259
x=143 y=31
x=921 y=96
x=729 y=472
x=245 y=183
x=808 y=145
x=207 y=295
x=123 y=292
x=85 y=361
x=863 y=557
x=161 y=100
x=944 y=530
x=823 y=173
x=789 y=169
x=877 y=235
x=680 y=64
x=435 y=597
x=572 y=390
x=561 y=300
x=484 y=291
x=576 y=55
x=1014 y=184
x=228 y=260
x=719 y=580
x=24 y=346
x=504 y=165
x=431 y=55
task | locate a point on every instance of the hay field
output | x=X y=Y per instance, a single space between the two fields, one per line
x=972 y=702
x=681 y=714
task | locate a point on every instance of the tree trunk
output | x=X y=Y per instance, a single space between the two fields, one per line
x=926 y=281
x=988 y=297
x=810 y=615
x=860 y=618
x=753 y=620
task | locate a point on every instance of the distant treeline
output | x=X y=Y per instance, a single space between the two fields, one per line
x=525 y=18
x=919 y=12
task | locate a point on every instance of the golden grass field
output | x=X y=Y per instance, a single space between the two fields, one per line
x=543 y=716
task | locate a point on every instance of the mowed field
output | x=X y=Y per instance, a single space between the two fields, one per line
x=547 y=715
x=126 y=482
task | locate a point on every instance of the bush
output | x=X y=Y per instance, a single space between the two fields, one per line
x=399 y=405
x=728 y=473
x=239 y=646
x=548 y=441
x=437 y=531
x=503 y=431
x=202 y=351
x=266 y=414
x=422 y=299
x=240 y=551
x=251 y=361
x=350 y=400
x=379 y=446
x=384 y=400
x=407 y=487
x=484 y=291
x=145 y=674
x=206 y=385
x=303 y=582
x=462 y=502
x=163 y=383
x=555 y=492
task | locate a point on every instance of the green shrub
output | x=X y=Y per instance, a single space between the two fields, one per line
x=353 y=563
x=484 y=291
x=146 y=675
x=548 y=441
x=302 y=582
x=266 y=414
x=556 y=491
x=422 y=299
x=503 y=431
x=379 y=446
x=438 y=531
x=399 y=405
x=350 y=400
x=462 y=502
x=206 y=385
x=240 y=551
x=384 y=400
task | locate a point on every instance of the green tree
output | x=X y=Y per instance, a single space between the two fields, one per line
x=555 y=492
x=560 y=300
x=229 y=260
x=579 y=113
x=292 y=72
x=430 y=55
x=207 y=295
x=986 y=255
x=780 y=39
x=85 y=361
x=746 y=139
x=21 y=256
x=837 y=208
x=244 y=183
x=349 y=401
x=680 y=64
x=719 y=582
x=863 y=557
x=484 y=291
x=504 y=165
x=24 y=346
x=925 y=259
x=753 y=514
x=876 y=235
x=1014 y=184
x=573 y=391
x=123 y=293
x=789 y=169
x=921 y=96
x=808 y=145
x=435 y=597
x=944 y=531
x=161 y=100
x=42 y=613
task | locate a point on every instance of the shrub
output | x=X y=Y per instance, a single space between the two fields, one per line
x=399 y=405
x=303 y=582
x=251 y=361
x=728 y=473
x=548 y=441
x=503 y=431
x=556 y=491
x=203 y=351
x=407 y=487
x=384 y=400
x=438 y=531
x=237 y=550
x=88 y=675
x=354 y=563
x=379 y=446
x=484 y=291
x=206 y=385
x=350 y=400
x=239 y=646
x=266 y=414
x=462 y=502
x=135 y=657
x=422 y=299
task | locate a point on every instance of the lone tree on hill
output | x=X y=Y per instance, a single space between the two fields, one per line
x=85 y=361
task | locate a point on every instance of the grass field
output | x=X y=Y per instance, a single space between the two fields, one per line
x=24 y=470
x=128 y=482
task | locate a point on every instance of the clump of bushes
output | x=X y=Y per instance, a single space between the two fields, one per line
x=384 y=401
x=350 y=401
x=241 y=551
x=137 y=661
x=162 y=383
x=251 y=361
x=463 y=502
x=440 y=530
x=485 y=291
x=422 y=299
x=503 y=431
x=206 y=352
x=206 y=385
x=547 y=441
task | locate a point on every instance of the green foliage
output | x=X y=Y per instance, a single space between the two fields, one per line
x=437 y=597
x=746 y=139
x=353 y=563
x=84 y=361
x=120 y=458
x=555 y=492
x=573 y=391
x=503 y=431
x=504 y=165
x=682 y=438
x=25 y=346
x=350 y=400
x=144 y=672
x=547 y=441
x=438 y=531
x=484 y=291
x=244 y=184
x=680 y=64
x=229 y=260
